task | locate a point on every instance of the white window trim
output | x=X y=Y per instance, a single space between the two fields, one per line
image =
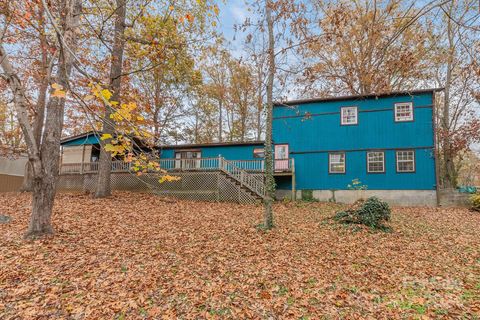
x=402 y=104
x=348 y=123
x=330 y=163
x=398 y=161
x=383 y=162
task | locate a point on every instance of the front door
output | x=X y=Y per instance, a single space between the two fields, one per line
x=281 y=157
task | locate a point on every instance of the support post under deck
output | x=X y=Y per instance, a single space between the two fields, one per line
x=294 y=187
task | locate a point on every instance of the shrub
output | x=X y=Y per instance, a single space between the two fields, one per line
x=307 y=195
x=371 y=212
x=475 y=201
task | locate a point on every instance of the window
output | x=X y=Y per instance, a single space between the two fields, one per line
x=403 y=112
x=187 y=159
x=349 y=115
x=376 y=162
x=259 y=153
x=336 y=162
x=406 y=161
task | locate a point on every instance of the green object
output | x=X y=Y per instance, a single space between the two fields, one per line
x=475 y=201
x=372 y=213
x=467 y=189
x=307 y=195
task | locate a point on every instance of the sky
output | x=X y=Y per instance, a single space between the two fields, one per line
x=232 y=12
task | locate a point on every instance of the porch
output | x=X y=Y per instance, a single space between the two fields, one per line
x=201 y=178
x=281 y=166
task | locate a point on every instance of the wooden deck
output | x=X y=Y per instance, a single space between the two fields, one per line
x=247 y=173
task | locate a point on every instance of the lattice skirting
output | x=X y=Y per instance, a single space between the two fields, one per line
x=202 y=186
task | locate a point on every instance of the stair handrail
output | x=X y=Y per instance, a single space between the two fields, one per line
x=242 y=176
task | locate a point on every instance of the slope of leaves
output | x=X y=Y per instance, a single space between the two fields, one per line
x=135 y=256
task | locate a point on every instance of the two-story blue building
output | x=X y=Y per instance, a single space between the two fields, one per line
x=386 y=142
x=330 y=149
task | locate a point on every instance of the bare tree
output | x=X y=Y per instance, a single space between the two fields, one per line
x=45 y=156
x=104 y=167
x=454 y=64
x=269 y=178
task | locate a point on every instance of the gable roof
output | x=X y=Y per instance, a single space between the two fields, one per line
x=89 y=137
x=92 y=137
x=356 y=97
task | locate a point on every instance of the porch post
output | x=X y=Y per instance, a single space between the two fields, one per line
x=61 y=160
x=83 y=159
x=294 y=187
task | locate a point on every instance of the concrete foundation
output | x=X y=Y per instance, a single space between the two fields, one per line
x=453 y=198
x=393 y=197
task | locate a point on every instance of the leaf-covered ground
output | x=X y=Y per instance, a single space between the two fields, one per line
x=134 y=256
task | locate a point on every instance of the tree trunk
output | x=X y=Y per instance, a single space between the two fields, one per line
x=269 y=178
x=449 y=166
x=116 y=68
x=46 y=170
x=42 y=204
x=27 y=184
x=156 y=112
x=259 y=110
x=220 y=116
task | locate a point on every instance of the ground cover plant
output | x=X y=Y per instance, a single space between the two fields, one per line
x=134 y=256
x=373 y=213
x=475 y=201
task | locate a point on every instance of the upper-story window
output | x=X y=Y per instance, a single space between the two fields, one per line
x=349 y=115
x=336 y=162
x=405 y=161
x=403 y=111
x=376 y=162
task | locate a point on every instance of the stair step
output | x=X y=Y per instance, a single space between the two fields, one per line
x=243 y=187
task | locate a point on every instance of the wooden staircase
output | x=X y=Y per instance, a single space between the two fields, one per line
x=243 y=188
x=250 y=182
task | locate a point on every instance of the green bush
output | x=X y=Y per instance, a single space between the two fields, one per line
x=372 y=213
x=475 y=201
x=307 y=195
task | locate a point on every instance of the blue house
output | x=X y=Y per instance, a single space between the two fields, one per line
x=250 y=150
x=339 y=149
x=386 y=142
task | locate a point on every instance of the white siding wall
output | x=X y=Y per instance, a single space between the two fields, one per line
x=73 y=154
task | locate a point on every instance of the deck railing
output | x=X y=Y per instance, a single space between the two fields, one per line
x=246 y=172
x=249 y=165
x=280 y=165
x=252 y=181
x=258 y=166
x=189 y=164
x=85 y=167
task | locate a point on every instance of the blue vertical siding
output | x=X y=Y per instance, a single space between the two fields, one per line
x=312 y=130
x=233 y=152
x=88 y=140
